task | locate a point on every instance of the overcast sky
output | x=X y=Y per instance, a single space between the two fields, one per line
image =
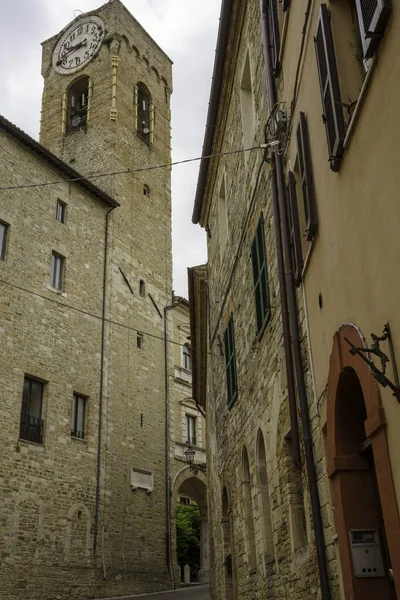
x=185 y=29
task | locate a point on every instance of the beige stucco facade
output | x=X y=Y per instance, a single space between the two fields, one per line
x=88 y=517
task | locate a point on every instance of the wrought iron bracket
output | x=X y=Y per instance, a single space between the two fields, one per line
x=198 y=467
x=375 y=349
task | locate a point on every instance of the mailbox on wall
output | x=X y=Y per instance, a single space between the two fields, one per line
x=367 y=553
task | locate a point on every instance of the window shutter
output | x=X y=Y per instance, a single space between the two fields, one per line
x=294 y=226
x=330 y=90
x=260 y=277
x=274 y=35
x=307 y=183
x=230 y=363
x=373 y=16
x=135 y=101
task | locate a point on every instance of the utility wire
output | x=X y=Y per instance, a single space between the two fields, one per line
x=85 y=312
x=127 y=171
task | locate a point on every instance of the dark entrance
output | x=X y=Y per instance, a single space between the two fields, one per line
x=366 y=514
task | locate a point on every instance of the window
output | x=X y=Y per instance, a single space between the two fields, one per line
x=306 y=177
x=77 y=110
x=187 y=357
x=146 y=190
x=230 y=363
x=57 y=271
x=373 y=16
x=143 y=107
x=32 y=425
x=190 y=430
x=61 y=211
x=266 y=520
x=78 y=416
x=142 y=288
x=247 y=106
x=139 y=341
x=222 y=217
x=248 y=513
x=3 y=239
x=294 y=228
x=330 y=91
x=260 y=277
x=184 y=500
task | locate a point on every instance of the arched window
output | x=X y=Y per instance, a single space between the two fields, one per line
x=265 y=502
x=187 y=357
x=248 y=513
x=143 y=104
x=77 y=108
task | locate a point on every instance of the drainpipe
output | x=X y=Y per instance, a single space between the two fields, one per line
x=281 y=217
x=168 y=552
x=103 y=324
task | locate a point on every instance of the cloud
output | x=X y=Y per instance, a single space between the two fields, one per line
x=185 y=29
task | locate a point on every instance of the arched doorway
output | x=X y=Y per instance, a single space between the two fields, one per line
x=192 y=485
x=227 y=541
x=366 y=511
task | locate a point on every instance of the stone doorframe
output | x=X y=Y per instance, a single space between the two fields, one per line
x=375 y=429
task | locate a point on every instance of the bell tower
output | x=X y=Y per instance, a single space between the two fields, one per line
x=106 y=111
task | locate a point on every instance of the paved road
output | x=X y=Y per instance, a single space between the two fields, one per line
x=196 y=592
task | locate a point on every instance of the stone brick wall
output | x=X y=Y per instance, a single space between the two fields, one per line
x=57 y=482
x=260 y=414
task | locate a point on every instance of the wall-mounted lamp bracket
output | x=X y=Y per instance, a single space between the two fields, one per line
x=375 y=349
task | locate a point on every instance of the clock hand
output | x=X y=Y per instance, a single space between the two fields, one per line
x=83 y=43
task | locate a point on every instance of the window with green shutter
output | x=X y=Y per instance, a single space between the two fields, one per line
x=230 y=363
x=260 y=278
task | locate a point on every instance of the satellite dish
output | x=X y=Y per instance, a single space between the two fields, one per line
x=76 y=121
x=146 y=130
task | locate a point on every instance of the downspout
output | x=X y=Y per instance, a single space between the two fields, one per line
x=279 y=204
x=168 y=552
x=99 y=437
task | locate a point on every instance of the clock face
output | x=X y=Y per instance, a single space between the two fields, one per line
x=78 y=45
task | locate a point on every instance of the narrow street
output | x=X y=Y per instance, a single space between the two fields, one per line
x=197 y=592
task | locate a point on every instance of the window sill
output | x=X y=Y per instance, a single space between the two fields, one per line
x=57 y=291
x=29 y=443
x=360 y=102
x=77 y=439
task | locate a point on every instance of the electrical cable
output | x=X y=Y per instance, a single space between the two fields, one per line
x=126 y=171
x=87 y=313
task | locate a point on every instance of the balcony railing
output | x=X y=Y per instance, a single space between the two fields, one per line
x=31 y=429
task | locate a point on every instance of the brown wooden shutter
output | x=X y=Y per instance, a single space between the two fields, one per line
x=294 y=226
x=372 y=18
x=307 y=183
x=274 y=35
x=330 y=90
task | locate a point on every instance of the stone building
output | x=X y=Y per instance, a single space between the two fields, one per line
x=85 y=274
x=186 y=431
x=303 y=467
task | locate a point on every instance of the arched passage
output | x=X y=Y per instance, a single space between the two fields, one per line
x=363 y=492
x=194 y=485
x=227 y=541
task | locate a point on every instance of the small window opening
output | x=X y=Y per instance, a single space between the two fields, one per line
x=78 y=95
x=190 y=425
x=146 y=190
x=143 y=112
x=57 y=271
x=222 y=217
x=187 y=357
x=247 y=106
x=61 y=211
x=142 y=288
x=78 y=416
x=3 y=239
x=139 y=341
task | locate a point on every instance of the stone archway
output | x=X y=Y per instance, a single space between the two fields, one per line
x=193 y=484
x=362 y=486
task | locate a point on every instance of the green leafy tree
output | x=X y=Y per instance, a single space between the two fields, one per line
x=188 y=534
